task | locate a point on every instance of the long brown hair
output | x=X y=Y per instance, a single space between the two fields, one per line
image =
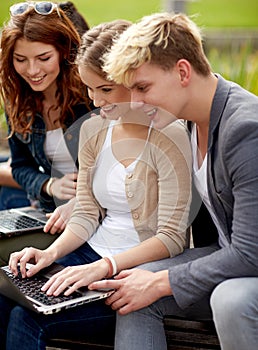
x=20 y=101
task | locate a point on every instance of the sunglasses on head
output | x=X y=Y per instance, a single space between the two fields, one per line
x=42 y=8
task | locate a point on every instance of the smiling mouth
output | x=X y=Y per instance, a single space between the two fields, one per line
x=151 y=113
x=108 y=111
x=108 y=108
x=37 y=79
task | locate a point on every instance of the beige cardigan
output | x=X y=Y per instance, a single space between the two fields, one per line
x=158 y=191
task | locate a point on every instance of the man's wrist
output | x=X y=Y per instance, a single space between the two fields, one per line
x=162 y=283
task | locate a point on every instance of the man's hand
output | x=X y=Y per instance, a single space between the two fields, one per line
x=135 y=289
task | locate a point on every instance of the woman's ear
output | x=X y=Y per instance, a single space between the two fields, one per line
x=184 y=69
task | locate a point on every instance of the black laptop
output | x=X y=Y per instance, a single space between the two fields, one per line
x=27 y=291
x=14 y=222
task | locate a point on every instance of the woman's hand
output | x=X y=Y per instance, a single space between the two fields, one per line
x=72 y=278
x=35 y=256
x=59 y=218
x=65 y=187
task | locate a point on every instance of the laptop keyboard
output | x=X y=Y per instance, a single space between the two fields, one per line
x=13 y=222
x=32 y=287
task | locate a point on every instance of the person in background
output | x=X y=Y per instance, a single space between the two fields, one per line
x=132 y=204
x=75 y=16
x=45 y=103
x=161 y=60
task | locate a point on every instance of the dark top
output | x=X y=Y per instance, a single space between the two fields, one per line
x=30 y=166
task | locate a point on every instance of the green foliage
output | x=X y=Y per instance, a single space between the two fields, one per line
x=212 y=13
x=239 y=65
x=3 y=132
x=99 y=11
x=225 y=13
x=103 y=10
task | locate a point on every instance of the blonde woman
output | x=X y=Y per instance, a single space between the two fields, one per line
x=132 y=204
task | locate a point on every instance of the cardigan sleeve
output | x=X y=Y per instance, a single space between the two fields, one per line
x=87 y=212
x=159 y=189
x=174 y=166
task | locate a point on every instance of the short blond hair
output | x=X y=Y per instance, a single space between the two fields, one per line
x=161 y=39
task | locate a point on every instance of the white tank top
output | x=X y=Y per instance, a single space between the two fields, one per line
x=59 y=156
x=117 y=232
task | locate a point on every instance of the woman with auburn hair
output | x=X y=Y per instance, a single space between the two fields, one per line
x=11 y=193
x=43 y=96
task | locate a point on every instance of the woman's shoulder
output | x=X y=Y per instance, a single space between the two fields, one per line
x=173 y=131
x=173 y=138
x=94 y=126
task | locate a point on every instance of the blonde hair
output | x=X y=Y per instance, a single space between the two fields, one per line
x=161 y=39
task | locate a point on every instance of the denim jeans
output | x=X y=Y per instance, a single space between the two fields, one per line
x=144 y=329
x=233 y=306
x=235 y=311
x=82 y=255
x=25 y=330
x=13 y=198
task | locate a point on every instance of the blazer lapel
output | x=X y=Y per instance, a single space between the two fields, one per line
x=213 y=167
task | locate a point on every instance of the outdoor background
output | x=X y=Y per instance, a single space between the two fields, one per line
x=230 y=30
x=213 y=13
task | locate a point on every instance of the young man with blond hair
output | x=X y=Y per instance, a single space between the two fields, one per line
x=161 y=60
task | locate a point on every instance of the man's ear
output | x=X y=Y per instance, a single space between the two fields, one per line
x=184 y=69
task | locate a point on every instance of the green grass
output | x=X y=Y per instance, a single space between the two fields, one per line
x=96 y=11
x=212 y=13
x=239 y=65
x=106 y=10
x=225 y=13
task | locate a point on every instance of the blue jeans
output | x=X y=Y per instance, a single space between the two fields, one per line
x=233 y=306
x=13 y=198
x=82 y=255
x=25 y=330
x=144 y=329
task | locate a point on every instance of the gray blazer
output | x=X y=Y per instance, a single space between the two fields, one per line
x=232 y=177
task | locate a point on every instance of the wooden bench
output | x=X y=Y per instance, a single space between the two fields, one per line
x=185 y=334
x=181 y=334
